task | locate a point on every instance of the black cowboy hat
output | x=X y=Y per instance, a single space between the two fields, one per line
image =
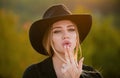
x=53 y=14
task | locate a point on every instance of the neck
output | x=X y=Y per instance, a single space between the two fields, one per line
x=57 y=63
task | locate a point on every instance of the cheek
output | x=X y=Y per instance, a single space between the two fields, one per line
x=55 y=40
x=57 y=44
x=74 y=40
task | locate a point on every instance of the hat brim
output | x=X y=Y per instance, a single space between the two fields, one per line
x=39 y=28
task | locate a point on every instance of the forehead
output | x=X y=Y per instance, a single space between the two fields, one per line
x=63 y=23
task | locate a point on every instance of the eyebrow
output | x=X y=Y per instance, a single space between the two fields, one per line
x=61 y=27
x=56 y=27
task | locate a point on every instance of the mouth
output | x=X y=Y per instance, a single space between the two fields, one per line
x=66 y=44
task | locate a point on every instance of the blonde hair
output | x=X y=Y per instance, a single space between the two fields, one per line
x=48 y=45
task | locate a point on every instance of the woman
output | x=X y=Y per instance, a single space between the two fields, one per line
x=59 y=35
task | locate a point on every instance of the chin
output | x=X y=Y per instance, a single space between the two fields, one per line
x=62 y=53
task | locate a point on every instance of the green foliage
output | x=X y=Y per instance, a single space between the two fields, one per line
x=102 y=47
x=15 y=49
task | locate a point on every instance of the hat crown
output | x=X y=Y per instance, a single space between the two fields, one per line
x=55 y=11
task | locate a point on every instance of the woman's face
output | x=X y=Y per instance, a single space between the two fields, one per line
x=64 y=35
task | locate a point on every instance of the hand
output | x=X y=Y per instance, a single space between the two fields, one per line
x=71 y=69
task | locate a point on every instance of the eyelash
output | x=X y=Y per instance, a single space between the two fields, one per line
x=56 y=31
x=69 y=30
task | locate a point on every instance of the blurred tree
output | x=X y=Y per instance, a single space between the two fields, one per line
x=7 y=41
x=15 y=48
x=102 y=47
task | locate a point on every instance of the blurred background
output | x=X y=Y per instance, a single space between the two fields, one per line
x=101 y=48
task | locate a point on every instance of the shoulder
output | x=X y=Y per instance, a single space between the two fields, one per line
x=37 y=70
x=90 y=72
x=30 y=72
x=88 y=68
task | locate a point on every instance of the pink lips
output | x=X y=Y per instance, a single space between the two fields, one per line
x=66 y=44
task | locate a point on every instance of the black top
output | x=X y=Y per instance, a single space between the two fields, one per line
x=45 y=69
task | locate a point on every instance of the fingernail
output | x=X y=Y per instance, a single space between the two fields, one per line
x=64 y=46
x=82 y=59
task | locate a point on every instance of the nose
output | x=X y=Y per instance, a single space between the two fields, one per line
x=65 y=35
